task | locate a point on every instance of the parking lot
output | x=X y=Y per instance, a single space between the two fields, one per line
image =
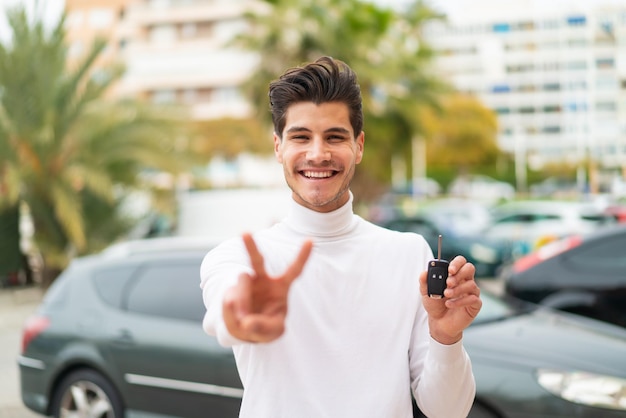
x=16 y=305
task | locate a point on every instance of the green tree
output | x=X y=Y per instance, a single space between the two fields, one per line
x=229 y=137
x=386 y=49
x=463 y=134
x=69 y=155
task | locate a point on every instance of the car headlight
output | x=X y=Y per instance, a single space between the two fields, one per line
x=585 y=388
x=483 y=253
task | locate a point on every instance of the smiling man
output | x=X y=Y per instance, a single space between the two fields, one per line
x=327 y=314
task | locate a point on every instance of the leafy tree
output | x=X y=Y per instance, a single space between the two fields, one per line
x=463 y=134
x=385 y=48
x=229 y=137
x=71 y=157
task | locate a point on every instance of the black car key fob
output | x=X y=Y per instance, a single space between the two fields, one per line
x=437 y=274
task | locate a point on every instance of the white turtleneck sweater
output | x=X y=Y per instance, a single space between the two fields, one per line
x=356 y=340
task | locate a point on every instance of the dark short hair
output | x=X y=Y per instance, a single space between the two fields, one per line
x=325 y=80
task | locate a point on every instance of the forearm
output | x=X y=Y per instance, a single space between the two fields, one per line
x=213 y=323
x=446 y=387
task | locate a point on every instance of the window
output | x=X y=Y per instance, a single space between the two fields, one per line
x=501 y=88
x=552 y=109
x=111 y=283
x=163 y=96
x=168 y=290
x=188 y=30
x=413 y=225
x=551 y=129
x=162 y=34
x=606 y=106
x=577 y=65
x=552 y=87
x=576 y=20
x=605 y=63
x=578 y=42
x=101 y=18
x=501 y=27
x=502 y=110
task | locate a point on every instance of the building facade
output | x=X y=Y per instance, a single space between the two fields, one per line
x=173 y=50
x=555 y=76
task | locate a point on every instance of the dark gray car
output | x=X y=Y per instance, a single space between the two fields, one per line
x=119 y=334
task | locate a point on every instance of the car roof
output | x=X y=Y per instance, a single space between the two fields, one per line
x=551 y=206
x=161 y=245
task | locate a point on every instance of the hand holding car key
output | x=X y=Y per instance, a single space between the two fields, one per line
x=437 y=274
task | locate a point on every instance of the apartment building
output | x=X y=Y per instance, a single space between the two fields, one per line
x=174 y=50
x=555 y=76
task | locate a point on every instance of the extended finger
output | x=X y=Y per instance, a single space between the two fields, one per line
x=294 y=270
x=256 y=258
x=456 y=264
x=472 y=304
x=465 y=273
x=464 y=288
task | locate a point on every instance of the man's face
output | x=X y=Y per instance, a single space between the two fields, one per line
x=319 y=153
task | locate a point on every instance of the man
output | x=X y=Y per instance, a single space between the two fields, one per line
x=327 y=314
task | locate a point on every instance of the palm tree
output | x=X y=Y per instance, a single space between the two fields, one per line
x=66 y=153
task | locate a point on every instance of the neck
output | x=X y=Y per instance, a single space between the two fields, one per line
x=322 y=224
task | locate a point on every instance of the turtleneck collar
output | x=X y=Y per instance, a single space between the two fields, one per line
x=318 y=224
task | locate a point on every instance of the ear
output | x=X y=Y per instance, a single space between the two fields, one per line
x=360 y=142
x=277 y=152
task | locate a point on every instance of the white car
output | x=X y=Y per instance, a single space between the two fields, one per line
x=481 y=187
x=531 y=224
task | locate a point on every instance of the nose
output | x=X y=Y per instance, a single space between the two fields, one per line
x=318 y=150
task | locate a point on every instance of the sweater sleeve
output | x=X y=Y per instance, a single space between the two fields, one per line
x=442 y=380
x=446 y=387
x=219 y=271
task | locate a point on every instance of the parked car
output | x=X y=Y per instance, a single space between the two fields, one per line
x=581 y=274
x=478 y=186
x=463 y=216
x=119 y=334
x=529 y=224
x=487 y=255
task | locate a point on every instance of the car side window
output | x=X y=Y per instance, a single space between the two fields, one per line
x=514 y=219
x=413 y=225
x=111 y=283
x=168 y=290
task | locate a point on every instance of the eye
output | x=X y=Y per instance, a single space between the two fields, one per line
x=336 y=138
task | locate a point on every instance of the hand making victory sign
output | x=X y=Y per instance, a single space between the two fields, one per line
x=448 y=317
x=255 y=308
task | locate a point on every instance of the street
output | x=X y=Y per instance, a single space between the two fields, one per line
x=16 y=305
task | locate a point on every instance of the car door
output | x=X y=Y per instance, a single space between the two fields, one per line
x=170 y=365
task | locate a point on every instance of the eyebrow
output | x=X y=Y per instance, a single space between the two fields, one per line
x=334 y=129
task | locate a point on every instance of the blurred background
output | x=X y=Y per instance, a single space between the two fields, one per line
x=501 y=125
x=121 y=118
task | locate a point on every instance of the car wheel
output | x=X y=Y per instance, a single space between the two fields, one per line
x=86 y=393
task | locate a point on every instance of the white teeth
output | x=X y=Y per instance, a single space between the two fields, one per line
x=317 y=174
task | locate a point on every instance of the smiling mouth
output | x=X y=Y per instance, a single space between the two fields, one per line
x=318 y=174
